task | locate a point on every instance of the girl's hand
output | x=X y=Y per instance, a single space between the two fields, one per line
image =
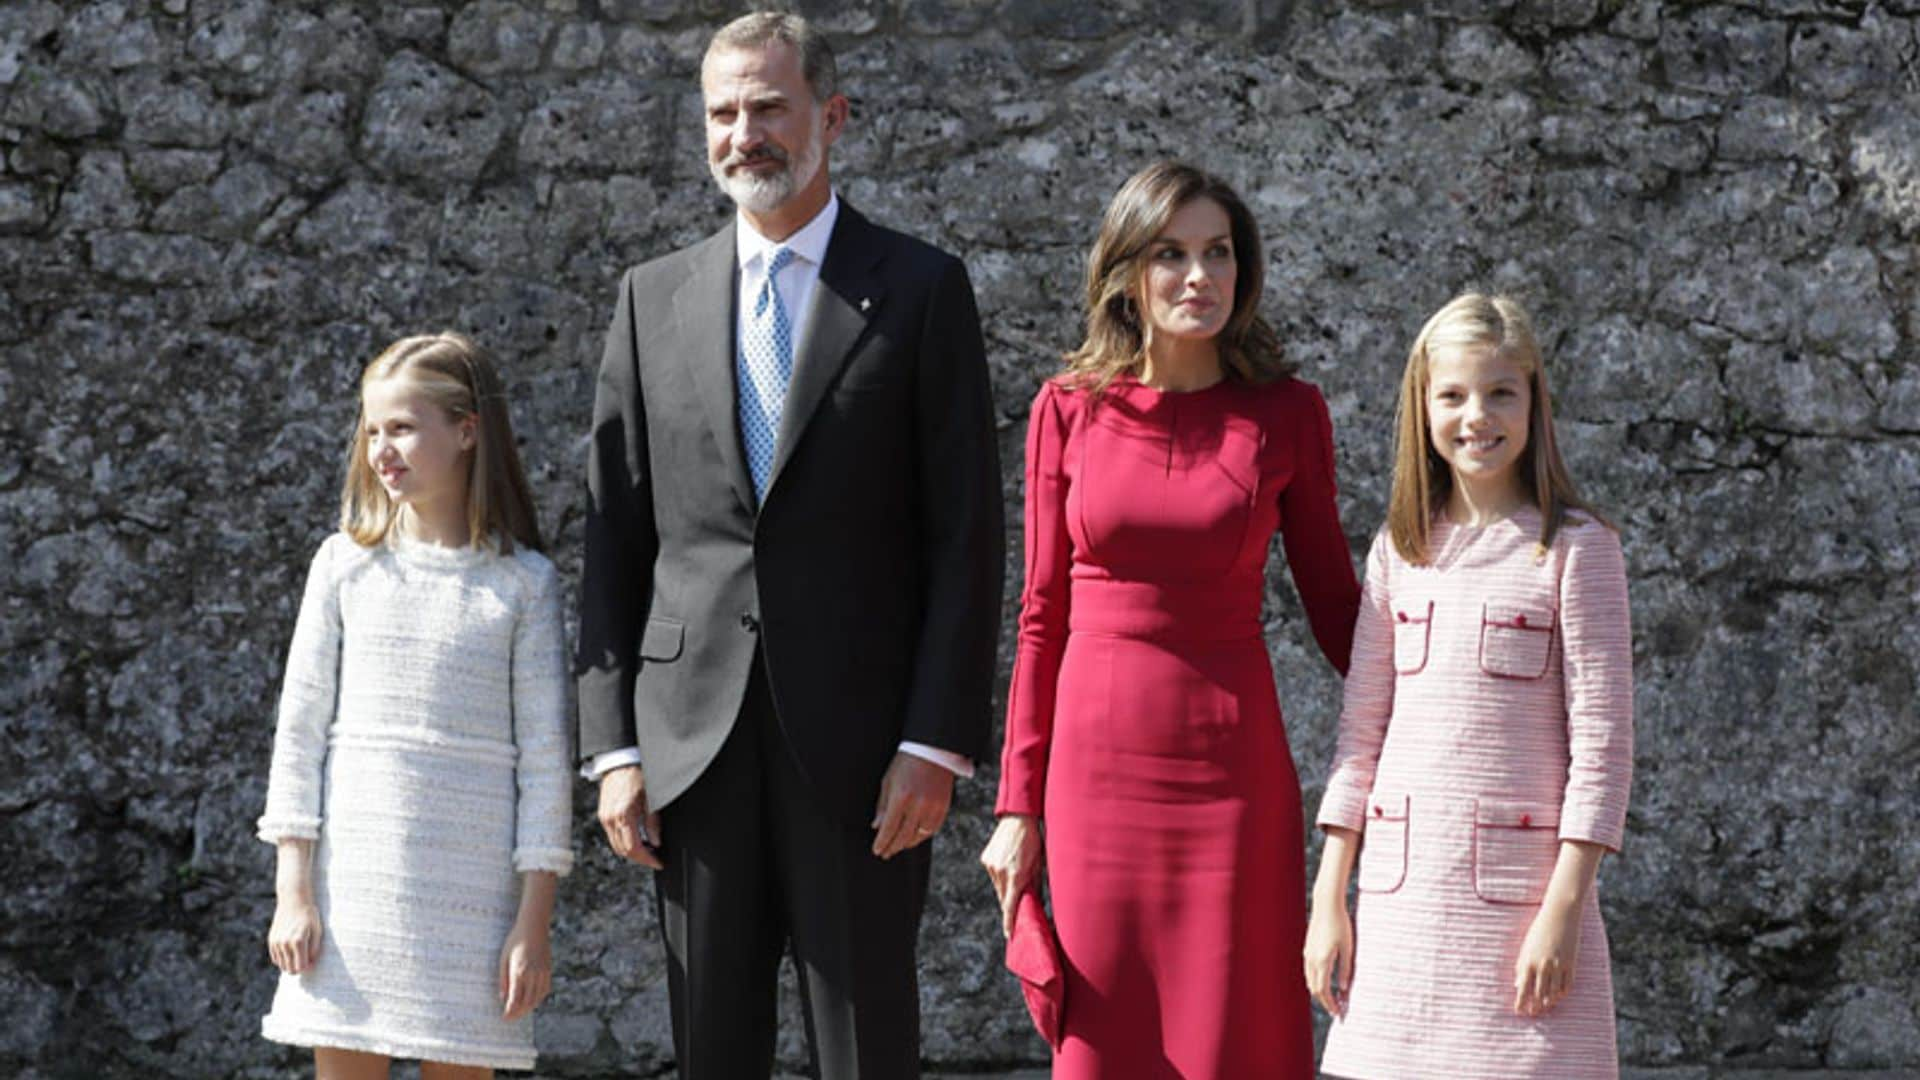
x=526 y=968
x=293 y=941
x=1329 y=955
x=1544 y=972
x=1011 y=856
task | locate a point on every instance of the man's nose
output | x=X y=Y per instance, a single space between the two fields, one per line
x=746 y=132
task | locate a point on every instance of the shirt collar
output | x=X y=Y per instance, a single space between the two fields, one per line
x=809 y=243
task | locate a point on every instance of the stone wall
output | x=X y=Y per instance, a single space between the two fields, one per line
x=213 y=212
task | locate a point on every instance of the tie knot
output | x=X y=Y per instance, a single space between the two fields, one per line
x=778 y=260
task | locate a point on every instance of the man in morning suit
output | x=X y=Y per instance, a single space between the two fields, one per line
x=792 y=581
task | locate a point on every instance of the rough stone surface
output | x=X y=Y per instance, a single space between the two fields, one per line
x=212 y=213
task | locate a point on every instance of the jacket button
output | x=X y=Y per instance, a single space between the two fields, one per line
x=1526 y=820
x=1519 y=620
x=748 y=623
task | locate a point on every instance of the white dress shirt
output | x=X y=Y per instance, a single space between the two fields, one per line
x=795 y=285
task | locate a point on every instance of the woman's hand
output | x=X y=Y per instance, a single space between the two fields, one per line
x=1329 y=955
x=526 y=968
x=1011 y=856
x=1544 y=972
x=293 y=941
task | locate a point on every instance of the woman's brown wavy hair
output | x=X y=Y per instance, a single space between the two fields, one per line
x=1116 y=269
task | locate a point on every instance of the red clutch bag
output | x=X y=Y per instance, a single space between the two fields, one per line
x=1033 y=954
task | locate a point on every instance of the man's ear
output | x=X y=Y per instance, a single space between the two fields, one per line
x=838 y=109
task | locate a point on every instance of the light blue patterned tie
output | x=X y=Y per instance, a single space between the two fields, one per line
x=765 y=365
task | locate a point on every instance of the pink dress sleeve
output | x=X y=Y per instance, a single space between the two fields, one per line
x=1043 y=612
x=1367 y=700
x=1597 y=646
x=1317 y=552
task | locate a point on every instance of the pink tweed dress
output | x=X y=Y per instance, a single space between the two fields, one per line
x=1488 y=716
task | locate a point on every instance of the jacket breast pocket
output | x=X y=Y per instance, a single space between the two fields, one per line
x=662 y=640
x=1515 y=845
x=1412 y=638
x=1516 y=640
x=1383 y=846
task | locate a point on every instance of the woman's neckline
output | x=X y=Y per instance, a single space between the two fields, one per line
x=1134 y=380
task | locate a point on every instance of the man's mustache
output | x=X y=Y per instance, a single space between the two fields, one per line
x=764 y=153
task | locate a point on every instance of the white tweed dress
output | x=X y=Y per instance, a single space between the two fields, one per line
x=423 y=742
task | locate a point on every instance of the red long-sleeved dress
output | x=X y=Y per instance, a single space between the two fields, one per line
x=1143 y=725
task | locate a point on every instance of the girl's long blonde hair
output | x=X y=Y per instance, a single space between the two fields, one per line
x=1117 y=265
x=456 y=376
x=1422 y=480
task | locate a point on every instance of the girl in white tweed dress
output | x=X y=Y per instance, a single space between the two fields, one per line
x=419 y=790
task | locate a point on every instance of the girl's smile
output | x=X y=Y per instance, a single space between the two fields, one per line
x=1477 y=407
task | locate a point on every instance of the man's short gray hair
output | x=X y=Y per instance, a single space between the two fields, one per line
x=761 y=28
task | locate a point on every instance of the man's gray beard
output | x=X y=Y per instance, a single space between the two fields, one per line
x=758 y=194
x=764 y=194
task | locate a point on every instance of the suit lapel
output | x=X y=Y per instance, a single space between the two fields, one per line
x=703 y=326
x=848 y=296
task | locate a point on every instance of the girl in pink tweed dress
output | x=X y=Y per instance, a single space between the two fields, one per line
x=1486 y=741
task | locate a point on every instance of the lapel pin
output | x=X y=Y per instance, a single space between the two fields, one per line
x=865 y=303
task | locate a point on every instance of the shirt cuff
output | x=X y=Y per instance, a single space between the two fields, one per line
x=958 y=764
x=603 y=763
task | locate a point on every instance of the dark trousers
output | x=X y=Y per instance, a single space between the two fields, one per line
x=755 y=864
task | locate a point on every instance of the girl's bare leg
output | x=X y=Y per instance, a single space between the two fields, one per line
x=440 y=1070
x=331 y=1063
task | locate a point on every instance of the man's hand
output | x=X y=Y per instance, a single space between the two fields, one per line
x=633 y=831
x=914 y=796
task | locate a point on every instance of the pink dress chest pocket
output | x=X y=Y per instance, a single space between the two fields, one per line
x=1412 y=636
x=1516 y=640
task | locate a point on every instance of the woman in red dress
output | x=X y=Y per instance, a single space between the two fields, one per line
x=1142 y=725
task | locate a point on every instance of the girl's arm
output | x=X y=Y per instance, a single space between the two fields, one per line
x=544 y=810
x=1329 y=951
x=293 y=941
x=1597 y=664
x=291 y=822
x=1366 y=706
x=1317 y=551
x=308 y=697
x=1366 y=698
x=526 y=963
x=1544 y=971
x=1013 y=854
